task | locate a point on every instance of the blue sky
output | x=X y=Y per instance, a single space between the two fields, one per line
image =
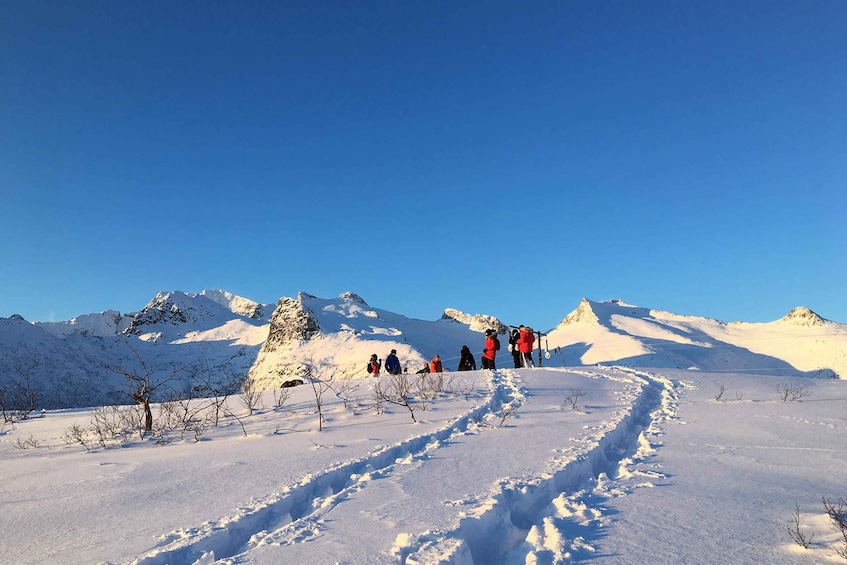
x=502 y=158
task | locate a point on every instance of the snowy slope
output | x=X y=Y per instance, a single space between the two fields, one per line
x=615 y=332
x=221 y=335
x=500 y=468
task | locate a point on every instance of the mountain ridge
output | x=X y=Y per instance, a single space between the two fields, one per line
x=221 y=334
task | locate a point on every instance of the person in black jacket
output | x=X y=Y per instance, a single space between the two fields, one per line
x=467 y=362
x=515 y=349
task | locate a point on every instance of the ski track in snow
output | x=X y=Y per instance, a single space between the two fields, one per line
x=295 y=514
x=553 y=518
x=549 y=519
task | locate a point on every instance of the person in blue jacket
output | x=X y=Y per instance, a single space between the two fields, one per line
x=392 y=363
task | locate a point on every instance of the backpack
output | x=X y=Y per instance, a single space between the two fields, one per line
x=496 y=344
x=370 y=368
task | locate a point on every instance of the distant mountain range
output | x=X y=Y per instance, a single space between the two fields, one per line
x=215 y=335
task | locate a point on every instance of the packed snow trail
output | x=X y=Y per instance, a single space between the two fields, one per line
x=541 y=510
x=527 y=521
x=294 y=509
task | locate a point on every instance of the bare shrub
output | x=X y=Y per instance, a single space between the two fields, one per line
x=507 y=411
x=321 y=379
x=216 y=388
x=837 y=512
x=28 y=443
x=790 y=391
x=397 y=390
x=721 y=391
x=251 y=396
x=344 y=390
x=795 y=532
x=572 y=400
x=21 y=398
x=281 y=396
x=77 y=434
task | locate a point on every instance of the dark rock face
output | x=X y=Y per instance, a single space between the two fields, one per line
x=290 y=321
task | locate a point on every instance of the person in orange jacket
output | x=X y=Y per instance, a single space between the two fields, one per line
x=525 y=344
x=435 y=365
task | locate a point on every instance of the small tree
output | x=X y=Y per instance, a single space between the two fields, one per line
x=321 y=380
x=142 y=387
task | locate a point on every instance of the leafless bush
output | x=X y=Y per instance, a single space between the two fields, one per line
x=78 y=434
x=572 y=399
x=460 y=386
x=251 y=396
x=507 y=411
x=397 y=390
x=795 y=532
x=281 y=396
x=321 y=379
x=790 y=391
x=720 y=393
x=837 y=512
x=216 y=388
x=21 y=398
x=739 y=395
x=28 y=443
x=344 y=390
x=115 y=425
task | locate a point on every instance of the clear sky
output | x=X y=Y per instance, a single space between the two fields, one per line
x=506 y=158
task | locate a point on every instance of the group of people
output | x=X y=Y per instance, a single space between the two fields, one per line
x=521 y=340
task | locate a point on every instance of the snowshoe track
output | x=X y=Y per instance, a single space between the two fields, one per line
x=526 y=522
x=295 y=513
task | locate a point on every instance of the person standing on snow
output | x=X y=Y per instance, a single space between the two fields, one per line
x=374 y=365
x=515 y=348
x=525 y=343
x=467 y=362
x=392 y=363
x=489 y=353
x=435 y=365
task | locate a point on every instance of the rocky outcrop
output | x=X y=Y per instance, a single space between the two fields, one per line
x=476 y=322
x=584 y=314
x=291 y=321
x=803 y=317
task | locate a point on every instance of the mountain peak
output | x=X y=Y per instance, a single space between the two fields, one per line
x=802 y=316
x=354 y=297
x=584 y=314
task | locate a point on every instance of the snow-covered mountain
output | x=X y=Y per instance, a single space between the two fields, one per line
x=215 y=334
x=615 y=332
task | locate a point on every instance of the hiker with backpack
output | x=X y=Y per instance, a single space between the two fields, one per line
x=525 y=344
x=392 y=363
x=467 y=362
x=492 y=344
x=374 y=365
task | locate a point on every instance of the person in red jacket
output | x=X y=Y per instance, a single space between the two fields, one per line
x=525 y=345
x=435 y=365
x=492 y=344
x=374 y=365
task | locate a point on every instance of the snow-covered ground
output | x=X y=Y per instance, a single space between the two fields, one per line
x=539 y=466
